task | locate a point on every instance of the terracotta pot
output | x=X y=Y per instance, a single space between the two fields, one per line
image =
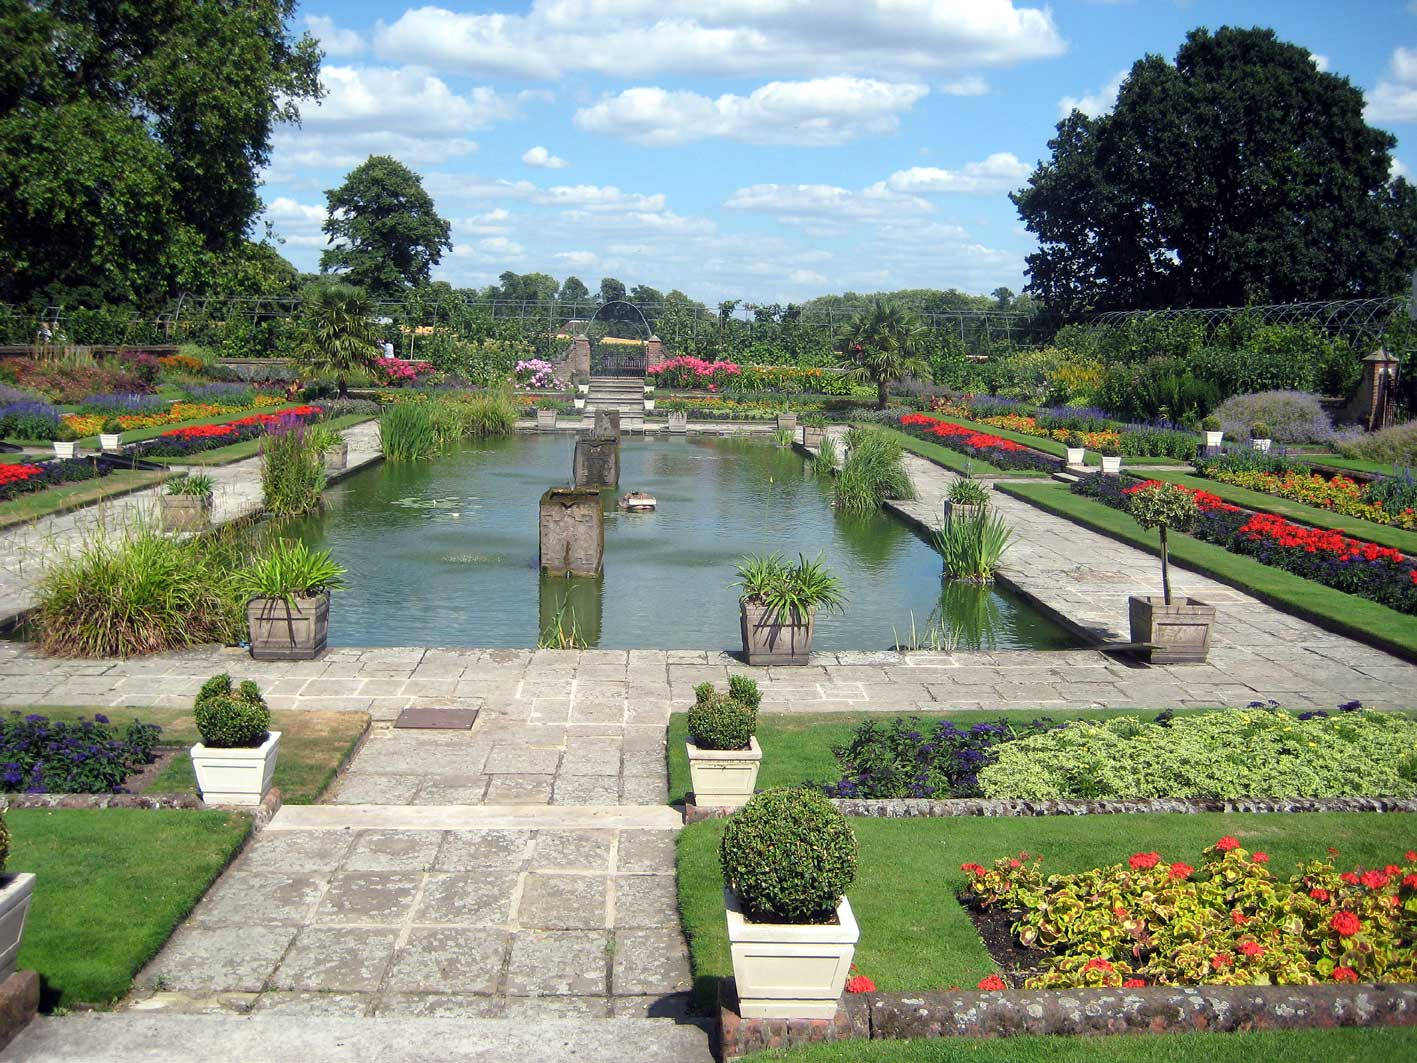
x=790 y=970
x=293 y=631
x=766 y=641
x=181 y=513
x=723 y=778
x=1179 y=632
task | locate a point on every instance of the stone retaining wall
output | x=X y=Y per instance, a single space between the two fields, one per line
x=1155 y=1009
x=261 y=814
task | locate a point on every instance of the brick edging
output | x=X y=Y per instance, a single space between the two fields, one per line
x=1154 y=1009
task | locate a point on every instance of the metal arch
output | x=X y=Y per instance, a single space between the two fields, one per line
x=649 y=332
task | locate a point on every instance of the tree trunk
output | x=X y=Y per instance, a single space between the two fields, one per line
x=882 y=394
x=343 y=388
x=1165 y=570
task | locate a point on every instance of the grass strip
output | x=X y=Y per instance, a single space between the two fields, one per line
x=1382 y=534
x=313 y=746
x=915 y=935
x=111 y=885
x=249 y=448
x=1353 y=1044
x=76 y=495
x=1333 y=610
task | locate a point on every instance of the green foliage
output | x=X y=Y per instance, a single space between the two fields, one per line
x=1211 y=424
x=139 y=592
x=561 y=632
x=1253 y=752
x=231 y=719
x=337 y=332
x=287 y=570
x=1163 y=505
x=192 y=484
x=873 y=472
x=1281 y=194
x=969 y=492
x=973 y=545
x=882 y=345
x=4 y=842
x=1395 y=446
x=407 y=431
x=386 y=232
x=718 y=721
x=292 y=471
x=789 y=855
x=744 y=689
x=792 y=593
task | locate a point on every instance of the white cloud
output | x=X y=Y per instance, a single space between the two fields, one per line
x=539 y=156
x=1000 y=172
x=598 y=197
x=1320 y=61
x=332 y=150
x=333 y=40
x=723 y=37
x=804 y=202
x=1395 y=98
x=973 y=85
x=1398 y=169
x=822 y=112
x=806 y=276
x=1096 y=103
x=403 y=100
x=578 y=259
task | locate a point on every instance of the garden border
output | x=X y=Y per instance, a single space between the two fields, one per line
x=261 y=814
x=1002 y=1013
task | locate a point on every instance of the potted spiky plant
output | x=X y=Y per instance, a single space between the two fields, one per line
x=1169 y=630
x=288 y=601
x=778 y=606
x=16 y=891
x=332 y=447
x=967 y=498
x=187 y=505
x=236 y=758
x=788 y=857
x=546 y=413
x=723 y=753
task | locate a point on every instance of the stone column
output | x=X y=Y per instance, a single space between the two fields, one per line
x=1376 y=392
x=607 y=425
x=654 y=351
x=579 y=356
x=597 y=461
x=572 y=532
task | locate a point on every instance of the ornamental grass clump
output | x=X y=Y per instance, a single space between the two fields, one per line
x=789 y=855
x=969 y=492
x=231 y=717
x=407 y=431
x=874 y=471
x=1227 y=920
x=1163 y=506
x=973 y=545
x=790 y=593
x=292 y=469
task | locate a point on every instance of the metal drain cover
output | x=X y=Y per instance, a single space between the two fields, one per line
x=437 y=719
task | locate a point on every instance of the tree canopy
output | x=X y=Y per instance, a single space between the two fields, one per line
x=132 y=136
x=883 y=344
x=384 y=233
x=1241 y=173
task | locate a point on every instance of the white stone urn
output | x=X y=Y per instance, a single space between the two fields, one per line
x=546 y=419
x=790 y=970
x=649 y=403
x=583 y=388
x=110 y=440
x=66 y=450
x=1212 y=439
x=579 y=400
x=1112 y=465
x=237 y=776
x=723 y=778
x=1075 y=455
x=16 y=892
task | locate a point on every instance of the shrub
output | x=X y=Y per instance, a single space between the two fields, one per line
x=38 y=755
x=718 y=721
x=28 y=419
x=1212 y=424
x=789 y=855
x=292 y=470
x=1227 y=921
x=744 y=689
x=289 y=569
x=1396 y=445
x=4 y=842
x=139 y=592
x=191 y=484
x=1256 y=752
x=873 y=471
x=1292 y=416
x=231 y=719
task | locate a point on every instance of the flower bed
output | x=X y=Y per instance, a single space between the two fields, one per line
x=1355 y=566
x=39 y=755
x=21 y=478
x=87 y=424
x=999 y=452
x=193 y=439
x=684 y=372
x=1227 y=921
x=1056 y=423
x=1390 y=501
x=401 y=373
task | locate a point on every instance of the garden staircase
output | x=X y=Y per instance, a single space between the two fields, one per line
x=623 y=393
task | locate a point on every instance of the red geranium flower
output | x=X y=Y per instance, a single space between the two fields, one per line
x=1221 y=959
x=1318 y=894
x=1238 y=917
x=973 y=869
x=1374 y=880
x=1227 y=843
x=1411 y=856
x=1349 y=877
x=1180 y=870
x=1345 y=974
x=1410 y=880
x=1345 y=923
x=1133 y=983
x=1392 y=869
x=1251 y=948
x=1260 y=858
x=992 y=982
x=860 y=984
x=1144 y=861
x=1097 y=963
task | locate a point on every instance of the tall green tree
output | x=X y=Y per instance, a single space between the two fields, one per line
x=573 y=297
x=882 y=345
x=1241 y=173
x=132 y=136
x=385 y=234
x=338 y=333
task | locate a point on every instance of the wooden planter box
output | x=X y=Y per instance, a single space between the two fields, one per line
x=293 y=631
x=961 y=510
x=767 y=642
x=546 y=420
x=337 y=457
x=787 y=422
x=790 y=970
x=1179 y=631
x=812 y=437
x=182 y=513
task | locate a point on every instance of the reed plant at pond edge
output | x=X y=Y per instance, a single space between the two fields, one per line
x=292 y=470
x=973 y=545
x=407 y=431
x=873 y=471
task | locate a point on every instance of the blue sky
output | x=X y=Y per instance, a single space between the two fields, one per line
x=769 y=150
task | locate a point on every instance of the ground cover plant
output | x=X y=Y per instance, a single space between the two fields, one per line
x=112 y=884
x=995 y=450
x=83 y=756
x=915 y=933
x=22 y=477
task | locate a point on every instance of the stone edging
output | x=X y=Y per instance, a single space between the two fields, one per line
x=261 y=813
x=915 y=807
x=1155 y=1009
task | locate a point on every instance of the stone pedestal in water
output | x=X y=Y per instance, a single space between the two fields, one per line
x=572 y=532
x=597 y=460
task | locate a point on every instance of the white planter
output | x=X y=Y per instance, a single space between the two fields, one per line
x=1112 y=465
x=649 y=405
x=649 y=389
x=1075 y=455
x=580 y=402
x=583 y=388
x=109 y=440
x=723 y=778
x=236 y=776
x=16 y=890
x=1212 y=439
x=790 y=970
x=66 y=450
x=1260 y=444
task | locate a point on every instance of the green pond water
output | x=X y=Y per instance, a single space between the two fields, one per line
x=444 y=553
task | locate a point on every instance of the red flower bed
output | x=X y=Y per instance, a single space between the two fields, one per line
x=209 y=431
x=13 y=474
x=1004 y=453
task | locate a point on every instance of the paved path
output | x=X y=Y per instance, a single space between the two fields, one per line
x=25 y=548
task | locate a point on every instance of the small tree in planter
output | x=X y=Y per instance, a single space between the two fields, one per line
x=16 y=891
x=236 y=758
x=1111 y=458
x=187 y=505
x=788 y=858
x=1178 y=631
x=724 y=756
x=778 y=606
x=288 y=607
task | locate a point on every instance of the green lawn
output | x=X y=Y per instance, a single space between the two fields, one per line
x=251 y=447
x=1346 y=614
x=74 y=495
x=914 y=933
x=111 y=886
x=1337 y=461
x=1383 y=534
x=313 y=746
x=1347 y=1045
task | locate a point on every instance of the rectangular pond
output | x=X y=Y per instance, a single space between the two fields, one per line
x=444 y=553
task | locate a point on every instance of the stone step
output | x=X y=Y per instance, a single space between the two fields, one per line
x=128 y=1036
x=1066 y=477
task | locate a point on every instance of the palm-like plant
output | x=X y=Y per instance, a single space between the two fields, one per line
x=883 y=344
x=338 y=332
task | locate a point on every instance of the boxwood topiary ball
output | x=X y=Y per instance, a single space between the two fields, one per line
x=232 y=722
x=789 y=855
x=717 y=722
